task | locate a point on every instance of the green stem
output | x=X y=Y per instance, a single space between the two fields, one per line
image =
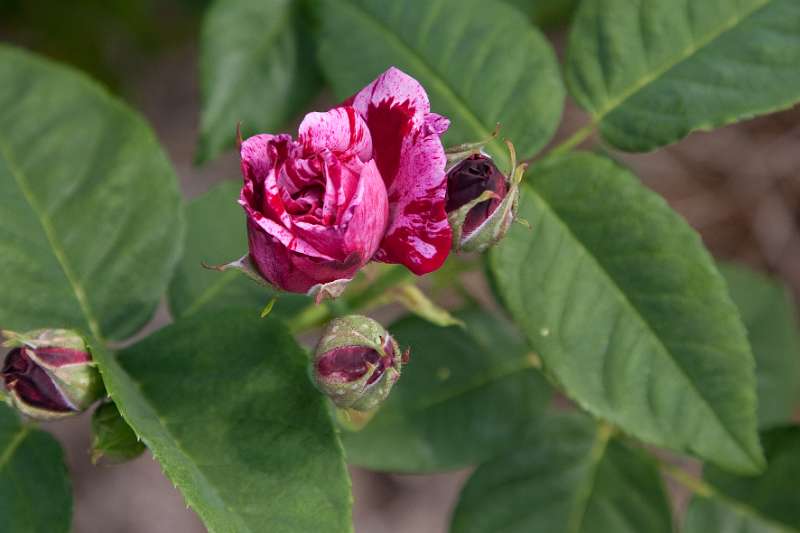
x=373 y=294
x=314 y=315
x=697 y=486
x=704 y=490
x=13 y=444
x=309 y=317
x=574 y=140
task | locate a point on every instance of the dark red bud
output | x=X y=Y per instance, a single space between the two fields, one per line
x=49 y=373
x=467 y=181
x=32 y=384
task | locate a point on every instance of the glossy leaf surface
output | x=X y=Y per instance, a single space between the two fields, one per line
x=768 y=503
x=770 y=317
x=92 y=221
x=35 y=491
x=649 y=72
x=224 y=403
x=627 y=310
x=256 y=67
x=571 y=477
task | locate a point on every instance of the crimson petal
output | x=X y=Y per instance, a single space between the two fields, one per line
x=411 y=159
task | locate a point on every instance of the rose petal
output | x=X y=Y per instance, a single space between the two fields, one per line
x=341 y=131
x=297 y=174
x=256 y=158
x=394 y=86
x=327 y=271
x=260 y=191
x=274 y=261
x=394 y=106
x=360 y=227
x=367 y=215
x=283 y=235
x=419 y=235
x=338 y=181
x=411 y=159
x=292 y=271
x=436 y=124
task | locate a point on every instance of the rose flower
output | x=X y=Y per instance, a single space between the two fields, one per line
x=364 y=181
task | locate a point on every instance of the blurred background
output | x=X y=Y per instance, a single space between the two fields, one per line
x=739 y=187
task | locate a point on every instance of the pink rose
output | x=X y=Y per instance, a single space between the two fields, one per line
x=316 y=207
x=363 y=181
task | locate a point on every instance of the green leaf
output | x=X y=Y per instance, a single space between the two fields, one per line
x=480 y=62
x=224 y=403
x=35 y=492
x=256 y=67
x=466 y=395
x=573 y=477
x=706 y=515
x=113 y=438
x=768 y=313
x=626 y=309
x=769 y=503
x=217 y=234
x=92 y=219
x=649 y=71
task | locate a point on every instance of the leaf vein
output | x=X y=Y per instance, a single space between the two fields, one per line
x=14 y=443
x=646 y=80
x=55 y=245
x=662 y=348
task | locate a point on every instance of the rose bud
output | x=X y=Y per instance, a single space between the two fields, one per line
x=481 y=200
x=49 y=373
x=356 y=363
x=363 y=181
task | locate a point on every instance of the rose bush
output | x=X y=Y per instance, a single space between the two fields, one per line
x=363 y=181
x=607 y=297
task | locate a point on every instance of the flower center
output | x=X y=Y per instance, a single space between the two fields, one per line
x=307 y=202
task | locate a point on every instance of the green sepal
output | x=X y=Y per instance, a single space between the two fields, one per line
x=460 y=152
x=244 y=265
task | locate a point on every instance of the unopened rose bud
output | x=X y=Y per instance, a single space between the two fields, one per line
x=481 y=200
x=49 y=373
x=356 y=363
